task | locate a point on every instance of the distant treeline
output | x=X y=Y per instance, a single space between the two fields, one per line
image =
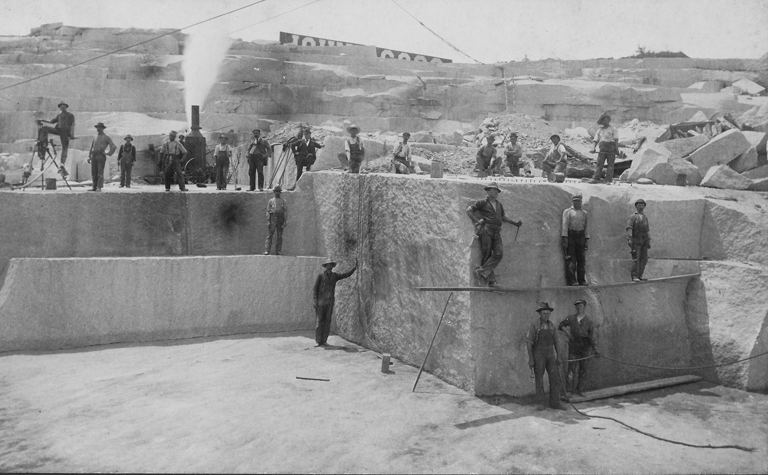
x=643 y=52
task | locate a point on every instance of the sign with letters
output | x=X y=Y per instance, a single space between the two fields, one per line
x=303 y=40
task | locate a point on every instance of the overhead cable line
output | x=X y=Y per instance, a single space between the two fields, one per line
x=132 y=46
x=434 y=33
x=279 y=14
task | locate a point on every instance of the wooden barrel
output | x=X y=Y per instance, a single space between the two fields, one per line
x=50 y=183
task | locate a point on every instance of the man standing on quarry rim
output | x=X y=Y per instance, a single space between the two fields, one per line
x=574 y=236
x=97 y=156
x=259 y=152
x=65 y=129
x=607 y=138
x=354 y=148
x=173 y=154
x=487 y=216
x=324 y=297
x=277 y=217
x=639 y=240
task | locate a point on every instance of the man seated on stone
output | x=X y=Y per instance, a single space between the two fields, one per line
x=513 y=153
x=556 y=160
x=402 y=156
x=487 y=163
x=305 y=152
x=65 y=129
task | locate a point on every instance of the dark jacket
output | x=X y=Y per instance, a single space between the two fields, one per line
x=583 y=335
x=325 y=285
x=306 y=152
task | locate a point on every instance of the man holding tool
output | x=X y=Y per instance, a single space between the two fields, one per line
x=639 y=240
x=324 y=297
x=581 y=339
x=542 y=341
x=574 y=236
x=607 y=138
x=487 y=216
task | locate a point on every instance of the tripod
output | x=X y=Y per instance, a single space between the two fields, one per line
x=43 y=148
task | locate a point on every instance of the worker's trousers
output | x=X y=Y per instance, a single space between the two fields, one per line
x=576 y=270
x=354 y=164
x=64 y=136
x=222 y=170
x=125 y=173
x=324 y=312
x=256 y=167
x=491 y=251
x=545 y=358
x=607 y=153
x=276 y=223
x=639 y=258
x=577 y=370
x=513 y=163
x=173 y=166
x=98 y=160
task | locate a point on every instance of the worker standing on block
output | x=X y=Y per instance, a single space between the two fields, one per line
x=575 y=237
x=323 y=298
x=487 y=216
x=582 y=343
x=172 y=153
x=259 y=152
x=65 y=129
x=126 y=157
x=354 y=148
x=542 y=341
x=277 y=215
x=486 y=158
x=556 y=160
x=639 y=240
x=607 y=139
x=222 y=155
x=97 y=156
x=402 y=156
x=305 y=152
x=513 y=153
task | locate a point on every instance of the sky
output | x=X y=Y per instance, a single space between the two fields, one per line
x=487 y=30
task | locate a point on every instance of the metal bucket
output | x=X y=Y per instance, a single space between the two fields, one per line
x=50 y=183
x=682 y=179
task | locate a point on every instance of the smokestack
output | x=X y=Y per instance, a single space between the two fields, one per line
x=195 y=142
x=195 y=121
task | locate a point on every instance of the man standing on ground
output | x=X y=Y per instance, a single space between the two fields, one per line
x=556 y=160
x=354 y=148
x=258 y=153
x=639 y=240
x=402 y=156
x=581 y=339
x=277 y=215
x=487 y=216
x=65 y=129
x=305 y=152
x=542 y=342
x=574 y=236
x=173 y=154
x=126 y=157
x=513 y=153
x=487 y=163
x=222 y=154
x=323 y=298
x=607 y=138
x=97 y=156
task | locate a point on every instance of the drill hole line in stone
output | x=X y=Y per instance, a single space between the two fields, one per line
x=432 y=343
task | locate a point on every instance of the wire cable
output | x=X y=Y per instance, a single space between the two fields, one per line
x=279 y=14
x=132 y=46
x=684 y=367
x=434 y=33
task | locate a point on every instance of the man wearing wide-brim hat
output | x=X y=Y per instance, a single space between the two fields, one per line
x=639 y=240
x=513 y=153
x=126 y=157
x=543 y=341
x=277 y=219
x=324 y=297
x=487 y=216
x=97 y=156
x=607 y=138
x=173 y=153
x=582 y=343
x=575 y=238
x=65 y=129
x=354 y=148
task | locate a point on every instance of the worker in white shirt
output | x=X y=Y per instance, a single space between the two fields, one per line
x=222 y=154
x=607 y=138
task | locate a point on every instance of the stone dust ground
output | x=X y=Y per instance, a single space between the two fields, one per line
x=234 y=405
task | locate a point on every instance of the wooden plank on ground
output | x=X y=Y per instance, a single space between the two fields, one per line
x=561 y=287
x=635 y=387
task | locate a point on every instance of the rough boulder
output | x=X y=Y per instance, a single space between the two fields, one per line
x=722 y=176
x=720 y=150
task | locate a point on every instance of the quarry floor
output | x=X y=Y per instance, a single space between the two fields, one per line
x=234 y=404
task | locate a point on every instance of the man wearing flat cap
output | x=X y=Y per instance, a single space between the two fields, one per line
x=639 y=240
x=126 y=157
x=513 y=153
x=173 y=154
x=556 y=160
x=487 y=216
x=402 y=156
x=607 y=139
x=97 y=155
x=582 y=343
x=354 y=148
x=65 y=129
x=324 y=297
x=259 y=152
x=222 y=155
x=543 y=341
x=575 y=236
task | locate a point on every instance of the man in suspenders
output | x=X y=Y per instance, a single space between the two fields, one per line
x=354 y=148
x=173 y=153
x=542 y=341
x=222 y=154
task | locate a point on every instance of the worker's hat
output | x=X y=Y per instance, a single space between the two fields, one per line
x=128 y=137
x=353 y=126
x=329 y=263
x=640 y=200
x=406 y=134
x=222 y=136
x=513 y=134
x=580 y=301
x=100 y=125
x=494 y=186
x=174 y=133
x=62 y=103
x=553 y=136
x=256 y=130
x=603 y=117
x=544 y=306
x=577 y=198
x=277 y=189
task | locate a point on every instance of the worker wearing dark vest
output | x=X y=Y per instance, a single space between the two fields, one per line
x=222 y=155
x=582 y=343
x=324 y=297
x=639 y=240
x=126 y=157
x=259 y=152
x=542 y=341
x=354 y=148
